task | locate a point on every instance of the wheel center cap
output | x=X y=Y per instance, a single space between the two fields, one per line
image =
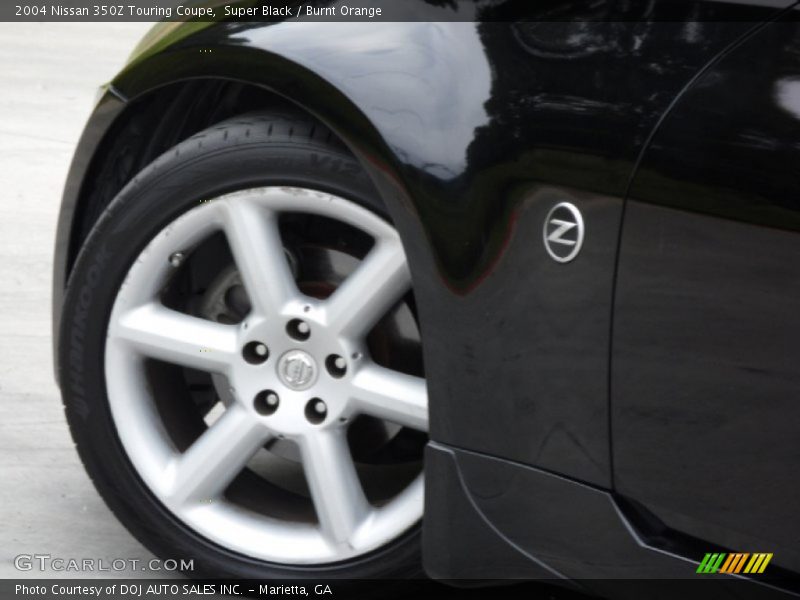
x=297 y=370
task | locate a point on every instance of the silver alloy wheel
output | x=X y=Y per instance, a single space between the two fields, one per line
x=191 y=483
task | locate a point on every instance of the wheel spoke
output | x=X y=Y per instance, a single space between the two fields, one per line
x=368 y=293
x=391 y=395
x=165 y=334
x=258 y=252
x=209 y=465
x=335 y=488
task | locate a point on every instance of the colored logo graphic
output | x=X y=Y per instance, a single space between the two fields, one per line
x=736 y=562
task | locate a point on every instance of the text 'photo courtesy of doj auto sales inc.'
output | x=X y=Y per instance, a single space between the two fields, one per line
x=108 y=590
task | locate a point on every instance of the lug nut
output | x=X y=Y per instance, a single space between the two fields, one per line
x=316 y=411
x=266 y=402
x=336 y=365
x=298 y=330
x=255 y=352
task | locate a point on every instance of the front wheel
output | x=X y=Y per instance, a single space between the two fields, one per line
x=241 y=360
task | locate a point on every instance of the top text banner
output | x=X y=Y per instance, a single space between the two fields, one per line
x=388 y=10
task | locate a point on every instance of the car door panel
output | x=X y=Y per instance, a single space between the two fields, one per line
x=705 y=380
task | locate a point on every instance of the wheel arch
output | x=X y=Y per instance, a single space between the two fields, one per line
x=161 y=98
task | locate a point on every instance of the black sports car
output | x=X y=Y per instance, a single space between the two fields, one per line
x=537 y=279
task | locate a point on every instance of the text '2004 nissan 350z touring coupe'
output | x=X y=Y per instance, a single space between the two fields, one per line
x=536 y=280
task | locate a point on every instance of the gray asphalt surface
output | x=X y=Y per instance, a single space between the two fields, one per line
x=49 y=74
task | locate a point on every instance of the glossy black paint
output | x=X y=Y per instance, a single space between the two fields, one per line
x=706 y=385
x=501 y=519
x=471 y=132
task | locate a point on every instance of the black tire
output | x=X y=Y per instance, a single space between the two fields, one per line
x=248 y=151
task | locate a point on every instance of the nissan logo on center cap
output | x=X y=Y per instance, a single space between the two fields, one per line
x=563 y=232
x=297 y=370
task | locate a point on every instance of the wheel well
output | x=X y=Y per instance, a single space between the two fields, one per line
x=150 y=125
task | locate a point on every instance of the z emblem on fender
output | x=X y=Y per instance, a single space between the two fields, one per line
x=563 y=232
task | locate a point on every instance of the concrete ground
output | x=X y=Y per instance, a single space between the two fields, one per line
x=49 y=74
